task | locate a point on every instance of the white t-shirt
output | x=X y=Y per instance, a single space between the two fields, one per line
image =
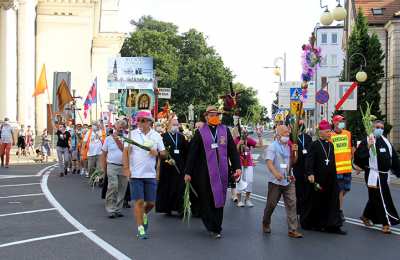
x=6 y=134
x=114 y=154
x=95 y=143
x=141 y=163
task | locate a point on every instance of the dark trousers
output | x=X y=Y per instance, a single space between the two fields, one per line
x=212 y=219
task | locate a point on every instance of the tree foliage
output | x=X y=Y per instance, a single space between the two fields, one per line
x=187 y=64
x=369 y=46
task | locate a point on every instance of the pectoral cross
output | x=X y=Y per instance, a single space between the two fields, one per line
x=327 y=161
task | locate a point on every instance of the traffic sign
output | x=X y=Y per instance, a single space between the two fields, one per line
x=164 y=93
x=322 y=96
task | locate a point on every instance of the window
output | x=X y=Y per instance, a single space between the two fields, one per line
x=377 y=11
x=333 y=60
x=334 y=38
x=324 y=61
x=324 y=38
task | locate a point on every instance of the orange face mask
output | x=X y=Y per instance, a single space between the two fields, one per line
x=214 y=120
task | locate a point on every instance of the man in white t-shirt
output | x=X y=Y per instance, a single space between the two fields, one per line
x=140 y=165
x=6 y=141
x=111 y=162
x=93 y=139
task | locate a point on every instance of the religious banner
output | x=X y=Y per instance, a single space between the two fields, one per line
x=130 y=73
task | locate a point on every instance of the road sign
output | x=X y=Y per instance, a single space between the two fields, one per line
x=322 y=96
x=164 y=93
x=295 y=94
x=350 y=103
x=284 y=94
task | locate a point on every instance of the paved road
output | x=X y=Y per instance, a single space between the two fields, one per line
x=43 y=216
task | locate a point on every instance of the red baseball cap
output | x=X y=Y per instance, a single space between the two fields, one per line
x=337 y=118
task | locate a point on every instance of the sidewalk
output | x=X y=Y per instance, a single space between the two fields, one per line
x=29 y=159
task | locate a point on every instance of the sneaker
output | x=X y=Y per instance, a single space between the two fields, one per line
x=145 y=222
x=240 y=204
x=295 y=234
x=112 y=215
x=217 y=236
x=141 y=233
x=248 y=203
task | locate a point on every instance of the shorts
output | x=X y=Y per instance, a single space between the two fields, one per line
x=344 y=181
x=143 y=189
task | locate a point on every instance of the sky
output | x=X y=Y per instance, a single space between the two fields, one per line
x=248 y=35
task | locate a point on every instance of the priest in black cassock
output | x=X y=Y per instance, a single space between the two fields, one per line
x=321 y=205
x=304 y=142
x=211 y=148
x=380 y=208
x=171 y=185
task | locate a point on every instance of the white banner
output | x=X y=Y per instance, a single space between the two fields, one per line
x=291 y=90
x=164 y=93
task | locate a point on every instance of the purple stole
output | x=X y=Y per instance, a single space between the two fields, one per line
x=217 y=169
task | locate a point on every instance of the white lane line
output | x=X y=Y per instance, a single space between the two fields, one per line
x=46 y=169
x=17 y=185
x=353 y=221
x=89 y=234
x=17 y=176
x=24 y=195
x=40 y=238
x=26 y=212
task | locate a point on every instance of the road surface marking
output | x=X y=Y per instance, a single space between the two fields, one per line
x=40 y=238
x=353 y=221
x=16 y=176
x=24 y=195
x=88 y=233
x=17 y=185
x=46 y=169
x=26 y=212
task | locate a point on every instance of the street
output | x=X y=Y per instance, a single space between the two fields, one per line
x=43 y=216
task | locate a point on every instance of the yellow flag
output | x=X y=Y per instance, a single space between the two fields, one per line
x=41 y=84
x=63 y=95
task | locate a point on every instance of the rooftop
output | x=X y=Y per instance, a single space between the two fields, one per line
x=379 y=11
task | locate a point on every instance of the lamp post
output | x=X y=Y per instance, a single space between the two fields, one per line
x=361 y=76
x=277 y=69
x=338 y=14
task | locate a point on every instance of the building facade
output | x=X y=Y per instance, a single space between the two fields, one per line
x=384 y=20
x=76 y=36
x=329 y=39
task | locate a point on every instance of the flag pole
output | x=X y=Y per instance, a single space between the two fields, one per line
x=51 y=119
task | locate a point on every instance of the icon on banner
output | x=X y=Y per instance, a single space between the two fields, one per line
x=295 y=94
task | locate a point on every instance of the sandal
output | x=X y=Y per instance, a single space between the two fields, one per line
x=366 y=221
x=386 y=230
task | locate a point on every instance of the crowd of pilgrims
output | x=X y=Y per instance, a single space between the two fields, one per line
x=312 y=174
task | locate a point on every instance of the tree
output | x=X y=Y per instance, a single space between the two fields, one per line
x=183 y=62
x=369 y=46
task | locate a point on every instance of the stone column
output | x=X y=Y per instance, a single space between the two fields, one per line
x=8 y=60
x=26 y=61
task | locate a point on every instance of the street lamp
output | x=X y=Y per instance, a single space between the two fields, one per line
x=277 y=69
x=361 y=76
x=338 y=14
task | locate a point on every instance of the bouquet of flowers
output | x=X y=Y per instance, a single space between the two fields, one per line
x=132 y=142
x=187 y=205
x=367 y=120
x=95 y=177
x=317 y=187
